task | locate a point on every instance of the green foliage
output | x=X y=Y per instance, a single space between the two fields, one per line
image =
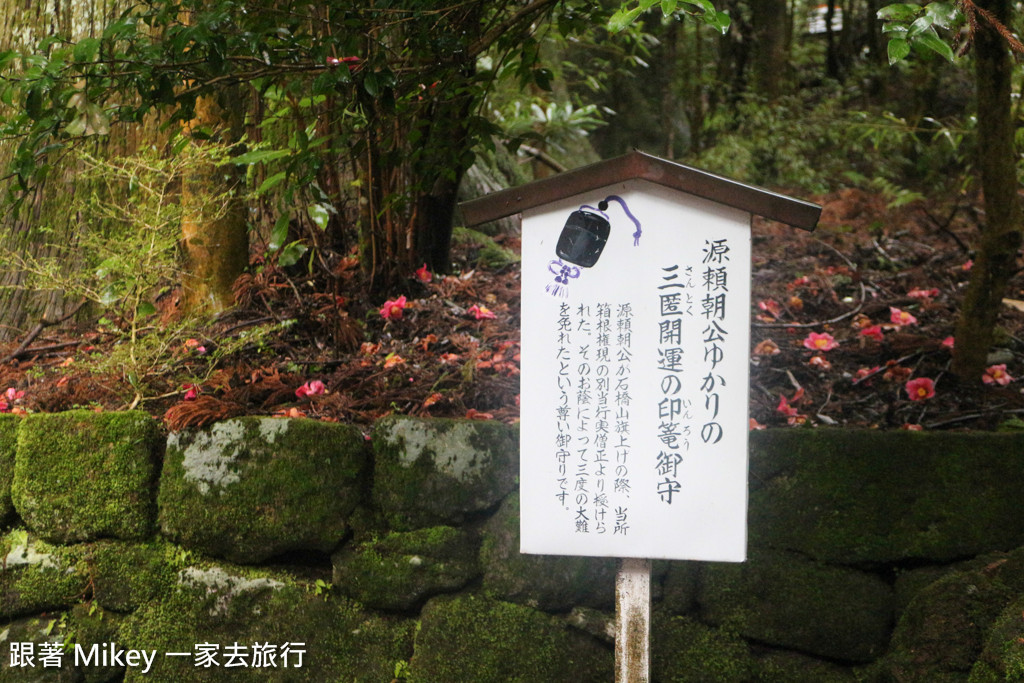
x=916 y=27
x=703 y=10
x=126 y=250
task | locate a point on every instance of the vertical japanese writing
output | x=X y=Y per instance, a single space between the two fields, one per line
x=602 y=413
x=715 y=286
x=581 y=487
x=675 y=305
x=563 y=435
x=623 y=399
x=593 y=352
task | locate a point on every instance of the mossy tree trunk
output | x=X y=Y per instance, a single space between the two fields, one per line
x=216 y=250
x=996 y=258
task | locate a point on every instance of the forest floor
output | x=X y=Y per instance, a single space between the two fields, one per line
x=882 y=283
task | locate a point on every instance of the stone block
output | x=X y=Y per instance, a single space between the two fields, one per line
x=80 y=475
x=473 y=638
x=441 y=472
x=251 y=488
x=787 y=601
x=400 y=570
x=268 y=620
x=548 y=582
x=860 y=496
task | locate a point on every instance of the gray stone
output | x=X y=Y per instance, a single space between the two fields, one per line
x=223 y=605
x=36 y=577
x=441 y=472
x=548 y=582
x=254 y=487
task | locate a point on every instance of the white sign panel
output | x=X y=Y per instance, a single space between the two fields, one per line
x=635 y=347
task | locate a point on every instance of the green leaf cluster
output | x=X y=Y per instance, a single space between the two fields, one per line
x=916 y=27
x=702 y=10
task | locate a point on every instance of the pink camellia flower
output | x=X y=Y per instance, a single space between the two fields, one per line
x=968 y=264
x=314 y=388
x=422 y=274
x=996 y=374
x=898 y=317
x=948 y=342
x=918 y=293
x=820 y=342
x=920 y=388
x=770 y=306
x=393 y=308
x=191 y=392
x=872 y=332
x=480 y=312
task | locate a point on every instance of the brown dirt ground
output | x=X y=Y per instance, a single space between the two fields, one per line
x=438 y=359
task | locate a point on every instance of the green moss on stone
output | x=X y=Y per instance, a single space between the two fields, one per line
x=37 y=630
x=552 y=583
x=225 y=605
x=441 y=472
x=788 y=601
x=126 y=575
x=1003 y=656
x=401 y=569
x=945 y=628
x=857 y=496
x=8 y=447
x=472 y=638
x=36 y=576
x=683 y=650
x=88 y=626
x=254 y=487
x=82 y=475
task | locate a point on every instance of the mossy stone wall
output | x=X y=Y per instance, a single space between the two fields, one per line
x=393 y=555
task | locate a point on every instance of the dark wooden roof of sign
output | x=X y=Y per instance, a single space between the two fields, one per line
x=754 y=200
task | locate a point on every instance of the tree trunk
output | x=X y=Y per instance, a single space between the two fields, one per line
x=216 y=251
x=22 y=25
x=996 y=258
x=769 y=22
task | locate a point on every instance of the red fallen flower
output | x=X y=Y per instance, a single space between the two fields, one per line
x=898 y=317
x=873 y=332
x=820 y=342
x=393 y=308
x=919 y=389
x=314 y=388
x=771 y=306
x=994 y=374
x=191 y=392
x=784 y=406
x=918 y=293
x=422 y=274
x=480 y=312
